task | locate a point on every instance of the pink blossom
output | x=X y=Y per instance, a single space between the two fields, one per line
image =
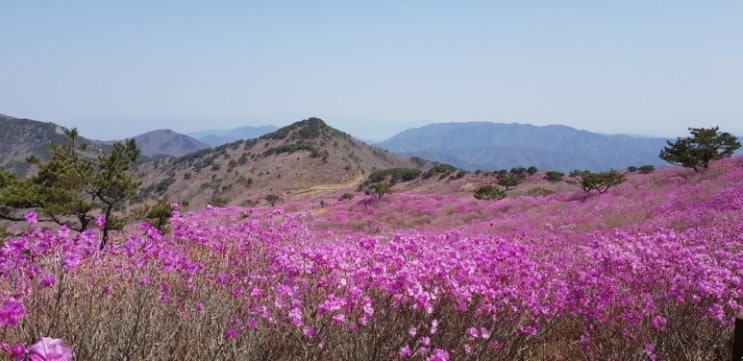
x=100 y=222
x=295 y=317
x=50 y=349
x=31 y=218
x=368 y=309
x=11 y=312
x=473 y=333
x=434 y=326
x=649 y=349
x=485 y=333
x=438 y=355
x=412 y=331
x=659 y=323
x=256 y=292
x=18 y=351
x=63 y=231
x=404 y=352
x=339 y=319
x=230 y=333
x=47 y=281
x=528 y=330
x=309 y=332
x=72 y=260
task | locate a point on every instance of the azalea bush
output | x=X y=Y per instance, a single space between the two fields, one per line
x=649 y=271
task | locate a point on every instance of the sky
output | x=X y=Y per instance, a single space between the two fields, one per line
x=373 y=68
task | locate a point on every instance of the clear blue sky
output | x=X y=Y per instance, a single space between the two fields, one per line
x=373 y=68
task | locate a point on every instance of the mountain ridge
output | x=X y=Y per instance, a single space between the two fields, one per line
x=493 y=146
x=21 y=137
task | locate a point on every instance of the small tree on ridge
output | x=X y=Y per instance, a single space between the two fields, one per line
x=489 y=192
x=704 y=145
x=601 y=181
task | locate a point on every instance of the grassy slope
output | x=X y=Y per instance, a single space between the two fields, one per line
x=654 y=198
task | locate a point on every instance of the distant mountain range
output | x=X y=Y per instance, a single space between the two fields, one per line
x=311 y=159
x=217 y=137
x=493 y=146
x=471 y=146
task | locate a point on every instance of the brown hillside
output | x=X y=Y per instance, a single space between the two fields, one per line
x=301 y=160
x=20 y=138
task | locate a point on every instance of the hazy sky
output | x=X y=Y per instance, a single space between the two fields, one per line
x=373 y=68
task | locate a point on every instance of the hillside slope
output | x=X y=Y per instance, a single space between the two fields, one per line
x=301 y=159
x=20 y=138
x=492 y=146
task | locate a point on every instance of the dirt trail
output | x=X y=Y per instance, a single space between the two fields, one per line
x=331 y=187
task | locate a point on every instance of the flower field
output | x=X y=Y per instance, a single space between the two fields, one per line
x=651 y=270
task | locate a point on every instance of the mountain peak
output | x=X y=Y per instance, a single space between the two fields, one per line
x=305 y=159
x=310 y=128
x=167 y=142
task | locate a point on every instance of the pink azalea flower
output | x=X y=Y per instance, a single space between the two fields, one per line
x=412 y=331
x=339 y=319
x=295 y=317
x=438 y=355
x=11 y=312
x=31 y=218
x=47 y=281
x=404 y=352
x=100 y=222
x=434 y=326
x=485 y=332
x=473 y=333
x=18 y=351
x=230 y=333
x=649 y=350
x=309 y=332
x=49 y=349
